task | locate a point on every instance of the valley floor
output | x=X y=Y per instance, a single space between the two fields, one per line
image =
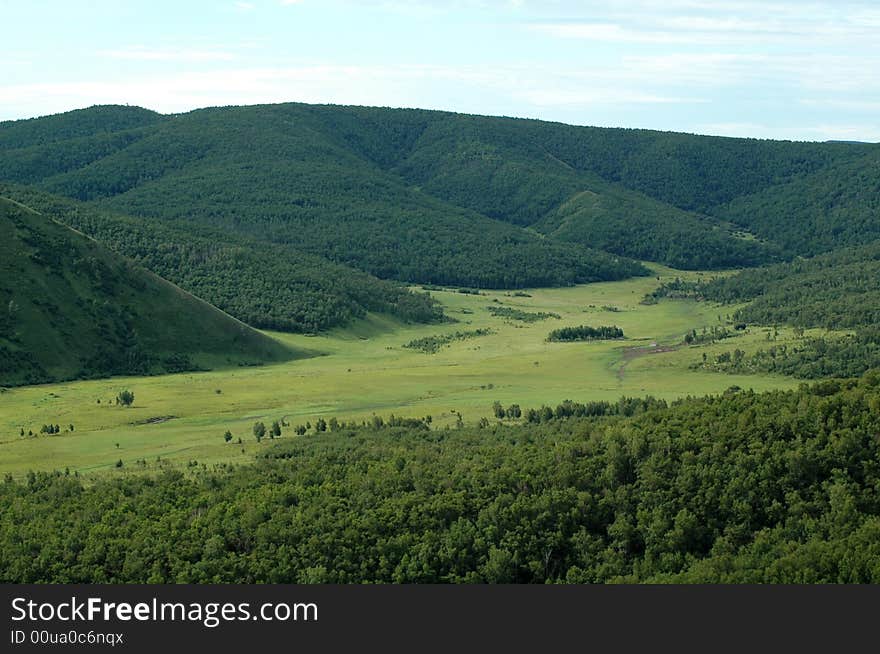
x=364 y=370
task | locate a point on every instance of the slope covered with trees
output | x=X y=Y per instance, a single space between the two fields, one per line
x=778 y=487
x=420 y=195
x=637 y=226
x=265 y=210
x=275 y=173
x=265 y=285
x=71 y=309
x=647 y=185
x=72 y=125
x=839 y=290
x=833 y=207
x=436 y=197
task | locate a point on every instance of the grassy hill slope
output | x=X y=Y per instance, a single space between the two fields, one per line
x=69 y=309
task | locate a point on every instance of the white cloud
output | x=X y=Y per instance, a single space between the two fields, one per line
x=184 y=91
x=141 y=53
x=556 y=97
x=535 y=92
x=727 y=24
x=691 y=31
x=726 y=64
x=661 y=80
x=848 y=105
x=683 y=22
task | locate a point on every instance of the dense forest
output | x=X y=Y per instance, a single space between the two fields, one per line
x=777 y=487
x=274 y=174
x=59 y=289
x=645 y=229
x=622 y=183
x=832 y=207
x=440 y=198
x=265 y=285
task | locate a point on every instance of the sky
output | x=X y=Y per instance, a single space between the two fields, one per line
x=783 y=70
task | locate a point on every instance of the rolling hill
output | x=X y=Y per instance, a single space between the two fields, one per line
x=72 y=309
x=285 y=215
x=280 y=175
x=436 y=197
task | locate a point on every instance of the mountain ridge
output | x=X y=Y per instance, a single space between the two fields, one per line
x=284 y=172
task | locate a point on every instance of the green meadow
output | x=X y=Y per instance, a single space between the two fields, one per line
x=365 y=369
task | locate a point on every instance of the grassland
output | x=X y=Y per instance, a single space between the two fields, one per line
x=364 y=370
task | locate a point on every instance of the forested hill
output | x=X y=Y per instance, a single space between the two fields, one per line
x=266 y=285
x=281 y=175
x=92 y=123
x=837 y=290
x=811 y=214
x=59 y=288
x=436 y=197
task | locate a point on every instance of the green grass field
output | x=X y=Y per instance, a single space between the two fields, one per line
x=364 y=369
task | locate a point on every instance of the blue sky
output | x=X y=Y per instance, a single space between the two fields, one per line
x=787 y=70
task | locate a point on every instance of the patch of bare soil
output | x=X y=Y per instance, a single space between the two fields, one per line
x=636 y=351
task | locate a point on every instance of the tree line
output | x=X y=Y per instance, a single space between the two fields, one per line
x=585 y=333
x=778 y=487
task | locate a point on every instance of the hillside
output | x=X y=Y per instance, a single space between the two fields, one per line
x=79 y=124
x=71 y=309
x=635 y=225
x=833 y=207
x=266 y=285
x=277 y=174
x=441 y=198
x=839 y=290
x=653 y=188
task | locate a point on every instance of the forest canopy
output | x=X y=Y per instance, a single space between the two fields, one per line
x=741 y=488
